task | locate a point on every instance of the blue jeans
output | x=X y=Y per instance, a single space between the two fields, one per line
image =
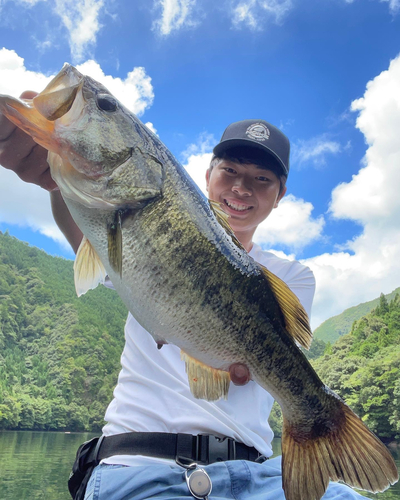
x=239 y=480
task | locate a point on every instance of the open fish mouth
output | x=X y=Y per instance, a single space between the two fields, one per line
x=36 y=116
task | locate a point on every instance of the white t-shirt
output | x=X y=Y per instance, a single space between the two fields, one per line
x=152 y=394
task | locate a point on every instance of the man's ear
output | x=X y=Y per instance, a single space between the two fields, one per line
x=207 y=178
x=280 y=196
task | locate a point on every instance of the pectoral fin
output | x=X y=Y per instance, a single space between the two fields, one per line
x=206 y=382
x=88 y=268
x=115 y=243
x=296 y=319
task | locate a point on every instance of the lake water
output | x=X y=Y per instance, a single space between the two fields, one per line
x=36 y=465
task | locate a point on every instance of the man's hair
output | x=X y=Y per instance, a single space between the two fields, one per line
x=246 y=156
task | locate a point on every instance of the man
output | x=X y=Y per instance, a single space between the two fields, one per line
x=152 y=399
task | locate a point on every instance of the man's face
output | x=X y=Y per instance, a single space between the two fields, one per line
x=247 y=193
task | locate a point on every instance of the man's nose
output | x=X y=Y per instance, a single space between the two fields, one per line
x=241 y=187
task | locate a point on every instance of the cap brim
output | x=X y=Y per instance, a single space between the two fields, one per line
x=247 y=143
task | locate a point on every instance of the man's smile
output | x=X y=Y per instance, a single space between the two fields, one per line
x=237 y=206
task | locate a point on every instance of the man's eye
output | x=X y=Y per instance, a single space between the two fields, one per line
x=230 y=170
x=264 y=179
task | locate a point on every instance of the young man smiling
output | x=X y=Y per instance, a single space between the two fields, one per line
x=153 y=417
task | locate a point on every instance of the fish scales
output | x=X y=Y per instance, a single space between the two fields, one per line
x=188 y=282
x=244 y=325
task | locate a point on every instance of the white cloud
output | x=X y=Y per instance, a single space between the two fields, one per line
x=28 y=205
x=291 y=224
x=81 y=20
x=197 y=158
x=371 y=265
x=204 y=144
x=15 y=78
x=151 y=127
x=314 y=150
x=252 y=13
x=135 y=91
x=175 y=15
x=196 y=167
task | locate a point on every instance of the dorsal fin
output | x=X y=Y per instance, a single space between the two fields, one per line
x=88 y=268
x=223 y=220
x=296 y=319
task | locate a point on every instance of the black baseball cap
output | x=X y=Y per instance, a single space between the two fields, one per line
x=260 y=135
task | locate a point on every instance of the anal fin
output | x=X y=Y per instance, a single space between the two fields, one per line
x=88 y=268
x=206 y=382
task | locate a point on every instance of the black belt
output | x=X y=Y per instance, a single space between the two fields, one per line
x=184 y=448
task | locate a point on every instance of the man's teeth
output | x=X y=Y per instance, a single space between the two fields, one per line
x=235 y=206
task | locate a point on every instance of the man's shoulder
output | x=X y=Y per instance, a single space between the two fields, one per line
x=282 y=267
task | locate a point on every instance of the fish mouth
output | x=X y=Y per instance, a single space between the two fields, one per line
x=36 y=116
x=236 y=206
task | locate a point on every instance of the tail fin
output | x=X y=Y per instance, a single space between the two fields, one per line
x=350 y=453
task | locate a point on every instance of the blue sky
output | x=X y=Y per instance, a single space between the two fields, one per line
x=327 y=72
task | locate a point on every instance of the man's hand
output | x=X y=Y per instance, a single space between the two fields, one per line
x=20 y=153
x=239 y=373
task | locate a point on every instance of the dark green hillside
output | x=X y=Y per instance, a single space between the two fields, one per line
x=333 y=328
x=364 y=368
x=59 y=355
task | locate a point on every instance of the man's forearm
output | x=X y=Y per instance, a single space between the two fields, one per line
x=64 y=220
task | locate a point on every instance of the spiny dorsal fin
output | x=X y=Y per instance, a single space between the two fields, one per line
x=223 y=220
x=206 y=382
x=296 y=318
x=88 y=268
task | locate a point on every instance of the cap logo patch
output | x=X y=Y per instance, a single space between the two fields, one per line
x=258 y=131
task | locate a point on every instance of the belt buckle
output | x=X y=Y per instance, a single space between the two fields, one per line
x=221 y=449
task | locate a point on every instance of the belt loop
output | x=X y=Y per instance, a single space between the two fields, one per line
x=232 y=449
x=97 y=449
x=186 y=449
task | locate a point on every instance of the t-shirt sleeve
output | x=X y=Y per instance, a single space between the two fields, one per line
x=298 y=277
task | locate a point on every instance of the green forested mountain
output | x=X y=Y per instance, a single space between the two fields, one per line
x=331 y=329
x=364 y=368
x=59 y=355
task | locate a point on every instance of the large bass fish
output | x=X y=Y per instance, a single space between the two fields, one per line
x=179 y=269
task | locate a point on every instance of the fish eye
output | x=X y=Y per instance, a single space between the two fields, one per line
x=106 y=102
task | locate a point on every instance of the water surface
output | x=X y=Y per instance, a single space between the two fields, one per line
x=36 y=465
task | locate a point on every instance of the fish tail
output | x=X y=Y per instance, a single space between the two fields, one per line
x=347 y=452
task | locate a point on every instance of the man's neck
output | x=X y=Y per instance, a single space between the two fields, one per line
x=246 y=239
